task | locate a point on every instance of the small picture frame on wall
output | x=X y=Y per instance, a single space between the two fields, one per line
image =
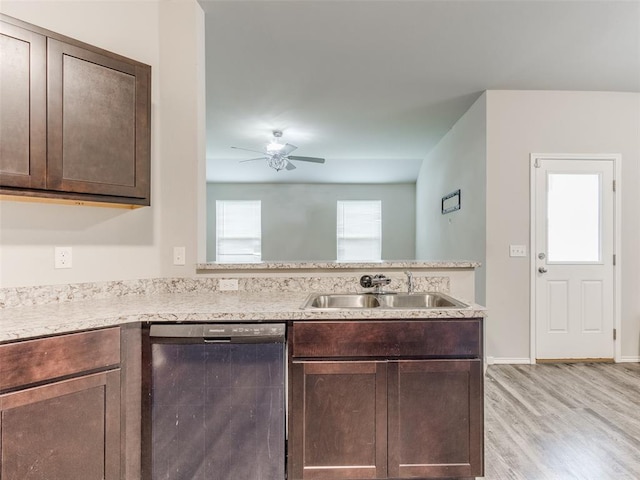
x=451 y=202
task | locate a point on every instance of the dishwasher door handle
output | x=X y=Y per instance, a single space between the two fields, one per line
x=217 y=340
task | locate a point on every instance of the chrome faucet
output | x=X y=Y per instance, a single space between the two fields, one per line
x=377 y=281
x=410 y=284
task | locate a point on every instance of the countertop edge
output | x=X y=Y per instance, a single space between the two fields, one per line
x=22 y=323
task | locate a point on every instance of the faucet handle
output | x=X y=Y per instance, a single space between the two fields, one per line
x=410 y=285
x=366 y=281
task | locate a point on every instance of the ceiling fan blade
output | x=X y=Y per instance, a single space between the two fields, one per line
x=287 y=149
x=290 y=166
x=249 y=150
x=252 y=159
x=306 y=159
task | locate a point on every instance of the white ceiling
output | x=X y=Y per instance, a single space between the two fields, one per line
x=373 y=85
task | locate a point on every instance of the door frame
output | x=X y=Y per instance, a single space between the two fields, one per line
x=616 y=158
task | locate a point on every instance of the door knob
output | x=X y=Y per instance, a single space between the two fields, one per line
x=542 y=270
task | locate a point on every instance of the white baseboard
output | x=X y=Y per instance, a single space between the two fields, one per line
x=629 y=359
x=526 y=361
x=507 y=361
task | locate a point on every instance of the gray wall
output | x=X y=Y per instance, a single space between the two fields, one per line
x=299 y=220
x=523 y=122
x=457 y=162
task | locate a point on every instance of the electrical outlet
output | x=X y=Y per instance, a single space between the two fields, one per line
x=179 y=254
x=228 y=284
x=517 y=250
x=62 y=257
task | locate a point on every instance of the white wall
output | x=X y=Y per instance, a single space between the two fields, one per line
x=299 y=220
x=182 y=187
x=111 y=243
x=457 y=162
x=524 y=122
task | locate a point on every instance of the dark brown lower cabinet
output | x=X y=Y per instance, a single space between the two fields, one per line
x=70 y=406
x=338 y=420
x=435 y=418
x=372 y=418
x=65 y=430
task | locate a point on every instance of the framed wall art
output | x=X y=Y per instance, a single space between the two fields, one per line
x=451 y=202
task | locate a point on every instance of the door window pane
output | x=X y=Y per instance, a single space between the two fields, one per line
x=573 y=217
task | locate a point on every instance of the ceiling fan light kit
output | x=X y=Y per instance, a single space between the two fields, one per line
x=275 y=146
x=278 y=155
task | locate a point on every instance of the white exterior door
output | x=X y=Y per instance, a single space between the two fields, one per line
x=574 y=258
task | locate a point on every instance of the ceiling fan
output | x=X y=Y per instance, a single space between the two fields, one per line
x=278 y=155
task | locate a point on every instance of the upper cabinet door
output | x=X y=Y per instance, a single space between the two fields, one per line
x=98 y=123
x=22 y=107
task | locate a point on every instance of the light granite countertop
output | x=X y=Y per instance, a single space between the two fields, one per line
x=334 y=265
x=39 y=320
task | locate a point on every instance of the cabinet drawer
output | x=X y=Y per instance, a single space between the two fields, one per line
x=34 y=361
x=455 y=338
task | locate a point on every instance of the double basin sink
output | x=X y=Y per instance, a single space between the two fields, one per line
x=429 y=300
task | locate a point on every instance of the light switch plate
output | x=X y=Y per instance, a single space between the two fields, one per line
x=517 y=250
x=179 y=254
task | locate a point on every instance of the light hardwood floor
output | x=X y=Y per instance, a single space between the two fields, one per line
x=562 y=422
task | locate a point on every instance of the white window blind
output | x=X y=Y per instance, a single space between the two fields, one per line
x=359 y=231
x=238 y=231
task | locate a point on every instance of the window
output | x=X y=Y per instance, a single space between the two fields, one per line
x=238 y=231
x=574 y=223
x=359 y=231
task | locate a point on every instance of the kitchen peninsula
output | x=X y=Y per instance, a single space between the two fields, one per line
x=62 y=329
x=265 y=292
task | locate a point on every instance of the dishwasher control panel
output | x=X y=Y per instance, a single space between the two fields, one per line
x=221 y=332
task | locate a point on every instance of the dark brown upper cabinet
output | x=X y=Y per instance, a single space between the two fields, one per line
x=74 y=119
x=23 y=107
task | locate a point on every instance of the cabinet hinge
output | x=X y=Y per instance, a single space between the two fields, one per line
x=615 y=334
x=614 y=259
x=614 y=185
x=536 y=163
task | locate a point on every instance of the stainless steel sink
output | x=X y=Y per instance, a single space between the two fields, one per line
x=385 y=301
x=339 y=300
x=419 y=300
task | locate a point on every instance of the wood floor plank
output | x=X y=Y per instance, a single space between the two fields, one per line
x=562 y=422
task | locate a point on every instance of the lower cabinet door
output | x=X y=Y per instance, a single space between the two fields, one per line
x=338 y=420
x=65 y=430
x=435 y=418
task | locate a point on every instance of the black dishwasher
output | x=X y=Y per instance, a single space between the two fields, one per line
x=217 y=398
